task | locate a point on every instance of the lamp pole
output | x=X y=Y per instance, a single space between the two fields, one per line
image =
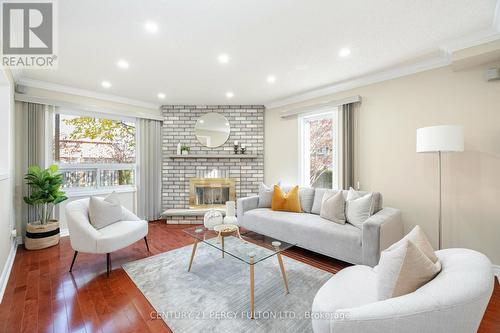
x=440 y=223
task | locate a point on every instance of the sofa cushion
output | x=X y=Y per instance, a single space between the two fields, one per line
x=287 y=202
x=308 y=231
x=418 y=237
x=265 y=196
x=103 y=212
x=319 y=192
x=403 y=269
x=333 y=207
x=306 y=195
x=358 y=208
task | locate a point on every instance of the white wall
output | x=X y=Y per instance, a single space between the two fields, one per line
x=6 y=175
x=389 y=115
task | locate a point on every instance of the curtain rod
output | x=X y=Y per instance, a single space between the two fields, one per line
x=85 y=107
x=294 y=112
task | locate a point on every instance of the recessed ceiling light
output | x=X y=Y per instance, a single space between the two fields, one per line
x=223 y=58
x=229 y=94
x=344 y=52
x=271 y=79
x=106 y=84
x=151 y=27
x=123 y=64
x=161 y=95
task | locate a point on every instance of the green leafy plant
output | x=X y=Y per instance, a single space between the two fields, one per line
x=185 y=148
x=45 y=190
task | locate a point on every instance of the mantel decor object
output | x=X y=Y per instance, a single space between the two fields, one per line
x=236 y=147
x=440 y=139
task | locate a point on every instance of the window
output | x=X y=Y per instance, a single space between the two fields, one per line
x=94 y=152
x=318 y=160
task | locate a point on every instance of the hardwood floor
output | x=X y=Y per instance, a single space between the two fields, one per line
x=42 y=296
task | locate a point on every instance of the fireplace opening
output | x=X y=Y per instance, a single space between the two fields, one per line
x=211 y=192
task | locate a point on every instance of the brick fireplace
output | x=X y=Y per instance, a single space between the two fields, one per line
x=214 y=172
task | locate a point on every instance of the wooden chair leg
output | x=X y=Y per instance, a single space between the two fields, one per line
x=108 y=264
x=73 y=261
x=146 y=240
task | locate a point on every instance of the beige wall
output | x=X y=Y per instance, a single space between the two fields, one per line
x=390 y=113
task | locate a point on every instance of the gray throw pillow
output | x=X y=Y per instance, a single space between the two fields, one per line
x=333 y=207
x=318 y=199
x=103 y=212
x=358 y=208
x=265 y=195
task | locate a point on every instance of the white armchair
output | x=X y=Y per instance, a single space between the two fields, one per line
x=454 y=301
x=85 y=238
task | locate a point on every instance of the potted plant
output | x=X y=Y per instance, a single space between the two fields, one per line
x=45 y=194
x=185 y=150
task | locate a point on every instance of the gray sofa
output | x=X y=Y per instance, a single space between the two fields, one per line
x=310 y=231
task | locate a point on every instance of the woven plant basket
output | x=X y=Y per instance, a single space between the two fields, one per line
x=40 y=236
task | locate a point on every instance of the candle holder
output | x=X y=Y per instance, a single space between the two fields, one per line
x=236 y=149
x=243 y=150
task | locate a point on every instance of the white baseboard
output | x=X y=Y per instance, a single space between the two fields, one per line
x=496 y=271
x=63 y=233
x=4 y=278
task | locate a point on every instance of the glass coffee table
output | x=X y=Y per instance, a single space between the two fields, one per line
x=246 y=246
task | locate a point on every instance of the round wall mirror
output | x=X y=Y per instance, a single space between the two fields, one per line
x=212 y=130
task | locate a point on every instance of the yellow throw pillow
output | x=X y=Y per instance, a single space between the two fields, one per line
x=287 y=202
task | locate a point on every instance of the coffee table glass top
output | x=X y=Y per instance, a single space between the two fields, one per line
x=243 y=245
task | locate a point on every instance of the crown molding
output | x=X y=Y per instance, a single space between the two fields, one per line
x=441 y=60
x=84 y=93
x=393 y=73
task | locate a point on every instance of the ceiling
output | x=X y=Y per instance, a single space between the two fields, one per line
x=296 y=41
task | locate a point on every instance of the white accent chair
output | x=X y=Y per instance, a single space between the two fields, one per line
x=85 y=238
x=454 y=301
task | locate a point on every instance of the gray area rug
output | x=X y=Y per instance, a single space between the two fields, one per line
x=215 y=295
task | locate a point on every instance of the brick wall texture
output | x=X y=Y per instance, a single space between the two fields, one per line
x=247 y=127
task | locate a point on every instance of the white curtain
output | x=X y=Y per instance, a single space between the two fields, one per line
x=37 y=121
x=148 y=169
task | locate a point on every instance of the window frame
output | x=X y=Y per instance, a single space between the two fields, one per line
x=98 y=189
x=304 y=161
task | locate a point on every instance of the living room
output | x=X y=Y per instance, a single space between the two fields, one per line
x=236 y=166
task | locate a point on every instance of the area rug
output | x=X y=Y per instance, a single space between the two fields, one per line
x=215 y=295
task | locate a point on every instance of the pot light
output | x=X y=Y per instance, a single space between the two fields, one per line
x=344 y=52
x=106 y=84
x=151 y=27
x=271 y=79
x=229 y=94
x=123 y=64
x=161 y=95
x=223 y=58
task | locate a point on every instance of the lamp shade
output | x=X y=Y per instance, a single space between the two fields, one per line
x=445 y=138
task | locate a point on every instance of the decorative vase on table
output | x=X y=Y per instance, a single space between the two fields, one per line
x=212 y=218
x=45 y=186
x=230 y=217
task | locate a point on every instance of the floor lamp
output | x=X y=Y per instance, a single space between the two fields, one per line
x=440 y=139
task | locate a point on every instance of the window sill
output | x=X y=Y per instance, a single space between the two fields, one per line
x=88 y=192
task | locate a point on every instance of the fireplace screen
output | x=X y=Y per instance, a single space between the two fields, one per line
x=211 y=192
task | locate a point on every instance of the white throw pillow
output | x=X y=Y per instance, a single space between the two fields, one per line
x=103 y=212
x=418 y=237
x=358 y=208
x=403 y=269
x=333 y=207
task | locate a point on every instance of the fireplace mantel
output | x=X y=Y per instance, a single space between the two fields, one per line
x=194 y=156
